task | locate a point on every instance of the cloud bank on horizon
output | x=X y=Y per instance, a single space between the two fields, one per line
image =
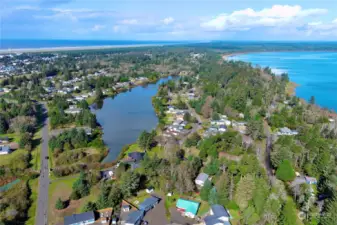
x=169 y=20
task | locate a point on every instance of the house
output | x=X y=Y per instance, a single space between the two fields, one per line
x=286 y=131
x=107 y=174
x=149 y=190
x=201 y=179
x=73 y=110
x=4 y=150
x=188 y=208
x=104 y=216
x=310 y=180
x=136 y=156
x=126 y=208
x=80 y=219
x=222 y=128
x=134 y=159
x=149 y=203
x=134 y=218
x=218 y=215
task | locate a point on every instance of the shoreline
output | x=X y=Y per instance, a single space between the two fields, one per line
x=291 y=86
x=75 y=48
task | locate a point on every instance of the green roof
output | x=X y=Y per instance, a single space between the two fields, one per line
x=188 y=206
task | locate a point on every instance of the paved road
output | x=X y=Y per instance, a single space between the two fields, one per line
x=42 y=205
x=195 y=127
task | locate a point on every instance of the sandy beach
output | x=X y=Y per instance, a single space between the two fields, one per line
x=58 y=49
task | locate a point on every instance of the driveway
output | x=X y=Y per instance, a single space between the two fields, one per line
x=157 y=215
x=176 y=217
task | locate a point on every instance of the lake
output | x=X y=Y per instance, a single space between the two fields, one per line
x=314 y=72
x=126 y=115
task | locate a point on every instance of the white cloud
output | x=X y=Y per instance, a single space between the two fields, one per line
x=98 y=27
x=27 y=7
x=277 y=15
x=168 y=20
x=129 y=22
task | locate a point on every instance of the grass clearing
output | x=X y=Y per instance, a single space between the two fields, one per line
x=62 y=188
x=159 y=151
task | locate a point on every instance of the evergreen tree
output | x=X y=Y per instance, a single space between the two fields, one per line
x=89 y=206
x=312 y=100
x=213 y=196
x=59 y=204
x=244 y=191
x=205 y=190
x=289 y=214
x=329 y=217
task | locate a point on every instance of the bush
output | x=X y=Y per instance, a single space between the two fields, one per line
x=285 y=171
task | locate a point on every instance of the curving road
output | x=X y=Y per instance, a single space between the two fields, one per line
x=42 y=204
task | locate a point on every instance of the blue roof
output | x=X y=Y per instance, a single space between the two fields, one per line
x=188 y=206
x=149 y=202
x=77 y=218
x=135 y=216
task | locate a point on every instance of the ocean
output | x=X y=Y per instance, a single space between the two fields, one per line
x=314 y=72
x=20 y=44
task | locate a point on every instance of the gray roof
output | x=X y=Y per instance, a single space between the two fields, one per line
x=135 y=216
x=219 y=210
x=148 y=202
x=202 y=177
x=4 y=148
x=212 y=220
x=137 y=156
x=77 y=218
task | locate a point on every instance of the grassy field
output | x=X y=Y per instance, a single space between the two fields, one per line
x=61 y=188
x=7 y=159
x=33 y=184
x=36 y=159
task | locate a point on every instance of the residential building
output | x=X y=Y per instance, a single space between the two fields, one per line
x=201 y=179
x=149 y=203
x=286 y=131
x=4 y=150
x=187 y=207
x=73 y=110
x=310 y=180
x=218 y=215
x=134 y=218
x=80 y=219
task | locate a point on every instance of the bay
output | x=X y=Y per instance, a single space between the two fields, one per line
x=314 y=72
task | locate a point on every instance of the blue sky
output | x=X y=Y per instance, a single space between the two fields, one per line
x=169 y=19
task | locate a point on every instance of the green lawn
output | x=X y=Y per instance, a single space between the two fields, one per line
x=133 y=148
x=159 y=151
x=7 y=159
x=33 y=184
